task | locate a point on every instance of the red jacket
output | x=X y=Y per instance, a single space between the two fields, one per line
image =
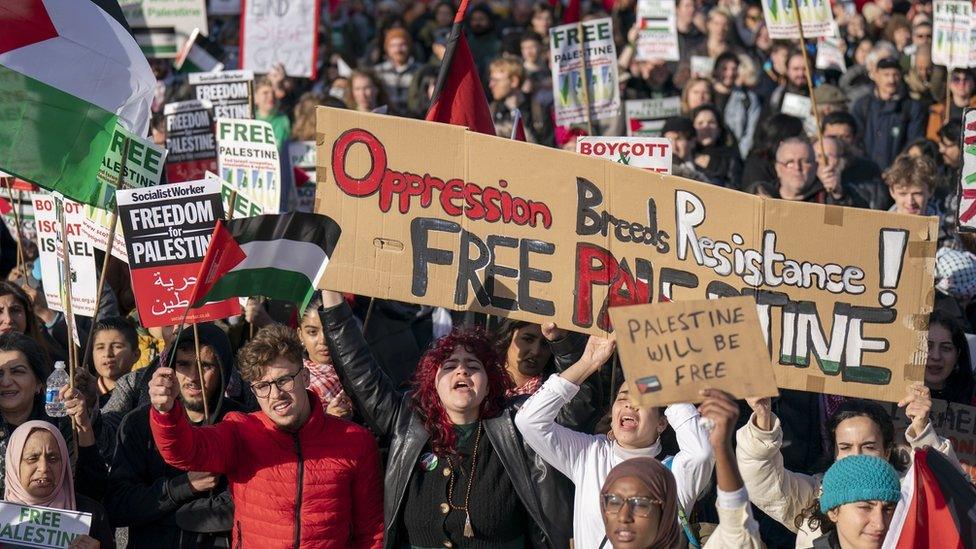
x=327 y=474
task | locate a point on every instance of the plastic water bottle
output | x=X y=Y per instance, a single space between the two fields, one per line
x=59 y=378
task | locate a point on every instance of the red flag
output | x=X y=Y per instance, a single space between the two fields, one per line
x=518 y=128
x=572 y=12
x=459 y=98
x=929 y=519
x=300 y=177
x=222 y=255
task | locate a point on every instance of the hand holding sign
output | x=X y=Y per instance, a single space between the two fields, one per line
x=671 y=351
x=720 y=408
x=917 y=404
x=162 y=390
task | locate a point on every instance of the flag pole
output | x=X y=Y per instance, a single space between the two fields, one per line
x=20 y=230
x=66 y=304
x=809 y=74
x=203 y=383
x=108 y=251
x=586 y=80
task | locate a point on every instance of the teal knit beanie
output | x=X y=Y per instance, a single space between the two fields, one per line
x=859 y=478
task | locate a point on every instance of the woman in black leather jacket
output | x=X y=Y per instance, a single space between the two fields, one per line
x=458 y=471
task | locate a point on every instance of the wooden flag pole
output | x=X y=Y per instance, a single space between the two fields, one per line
x=109 y=246
x=809 y=74
x=584 y=78
x=69 y=317
x=20 y=247
x=203 y=383
x=369 y=314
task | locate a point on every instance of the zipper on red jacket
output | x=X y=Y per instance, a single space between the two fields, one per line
x=298 y=500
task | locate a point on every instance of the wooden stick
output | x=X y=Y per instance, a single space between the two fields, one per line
x=809 y=74
x=369 y=313
x=20 y=248
x=586 y=80
x=69 y=318
x=203 y=383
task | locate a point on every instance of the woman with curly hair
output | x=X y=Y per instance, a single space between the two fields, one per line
x=458 y=474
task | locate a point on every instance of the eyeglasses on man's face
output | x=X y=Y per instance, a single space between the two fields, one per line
x=262 y=389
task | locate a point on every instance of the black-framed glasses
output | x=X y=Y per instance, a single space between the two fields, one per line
x=640 y=506
x=262 y=389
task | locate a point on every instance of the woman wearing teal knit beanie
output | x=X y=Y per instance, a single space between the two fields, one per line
x=858 y=499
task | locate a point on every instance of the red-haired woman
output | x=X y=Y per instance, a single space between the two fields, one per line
x=458 y=473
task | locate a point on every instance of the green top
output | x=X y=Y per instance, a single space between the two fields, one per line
x=280 y=125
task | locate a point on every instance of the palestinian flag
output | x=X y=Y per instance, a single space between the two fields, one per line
x=459 y=98
x=199 y=54
x=938 y=507
x=69 y=73
x=275 y=256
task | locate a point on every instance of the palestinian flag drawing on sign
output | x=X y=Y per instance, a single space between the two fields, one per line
x=69 y=73
x=275 y=256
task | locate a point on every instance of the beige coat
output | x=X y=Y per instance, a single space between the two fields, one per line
x=736 y=530
x=784 y=495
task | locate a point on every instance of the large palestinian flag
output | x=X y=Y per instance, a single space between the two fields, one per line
x=938 y=507
x=69 y=72
x=275 y=256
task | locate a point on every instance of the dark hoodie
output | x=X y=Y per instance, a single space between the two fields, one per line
x=154 y=499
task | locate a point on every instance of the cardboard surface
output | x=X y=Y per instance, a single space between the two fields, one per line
x=956 y=422
x=670 y=351
x=549 y=236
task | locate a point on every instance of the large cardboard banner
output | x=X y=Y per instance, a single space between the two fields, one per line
x=572 y=49
x=280 y=32
x=230 y=92
x=167 y=231
x=956 y=422
x=190 y=140
x=649 y=153
x=646 y=117
x=44 y=527
x=162 y=26
x=671 y=351
x=658 y=34
x=50 y=244
x=553 y=236
x=247 y=158
x=781 y=19
x=951 y=32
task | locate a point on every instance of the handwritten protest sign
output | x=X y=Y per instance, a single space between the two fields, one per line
x=25 y=526
x=657 y=37
x=190 y=140
x=956 y=422
x=648 y=153
x=951 y=31
x=967 y=179
x=280 y=32
x=247 y=158
x=830 y=54
x=451 y=226
x=645 y=117
x=670 y=351
x=781 y=19
x=167 y=231
x=572 y=49
x=301 y=155
x=230 y=92
x=162 y=26
x=50 y=239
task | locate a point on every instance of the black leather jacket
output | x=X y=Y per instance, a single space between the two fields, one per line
x=546 y=494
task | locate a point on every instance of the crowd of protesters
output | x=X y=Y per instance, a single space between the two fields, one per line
x=422 y=428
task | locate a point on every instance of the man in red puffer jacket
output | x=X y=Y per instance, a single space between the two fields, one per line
x=298 y=477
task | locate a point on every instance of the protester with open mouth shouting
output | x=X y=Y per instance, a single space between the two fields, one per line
x=634 y=432
x=458 y=474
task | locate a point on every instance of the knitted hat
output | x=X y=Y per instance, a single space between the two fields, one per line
x=859 y=478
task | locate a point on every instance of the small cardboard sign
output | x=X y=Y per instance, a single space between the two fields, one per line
x=670 y=351
x=25 y=526
x=956 y=422
x=649 y=153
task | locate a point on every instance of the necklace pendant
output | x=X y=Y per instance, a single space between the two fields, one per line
x=468 y=530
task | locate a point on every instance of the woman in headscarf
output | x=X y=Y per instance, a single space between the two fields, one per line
x=38 y=474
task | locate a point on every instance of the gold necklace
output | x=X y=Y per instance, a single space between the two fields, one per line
x=468 y=530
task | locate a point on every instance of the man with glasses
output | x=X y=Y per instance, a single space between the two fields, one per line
x=298 y=478
x=796 y=172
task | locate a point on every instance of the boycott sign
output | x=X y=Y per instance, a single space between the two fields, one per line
x=50 y=248
x=956 y=422
x=280 y=32
x=670 y=351
x=167 y=231
x=649 y=153
x=190 y=140
x=161 y=26
x=25 y=526
x=247 y=158
x=781 y=19
x=951 y=32
x=657 y=37
x=229 y=92
x=553 y=236
x=645 y=117
x=301 y=155
x=967 y=180
x=585 y=47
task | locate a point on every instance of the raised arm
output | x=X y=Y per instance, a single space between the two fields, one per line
x=371 y=391
x=920 y=433
x=581 y=412
x=693 y=464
